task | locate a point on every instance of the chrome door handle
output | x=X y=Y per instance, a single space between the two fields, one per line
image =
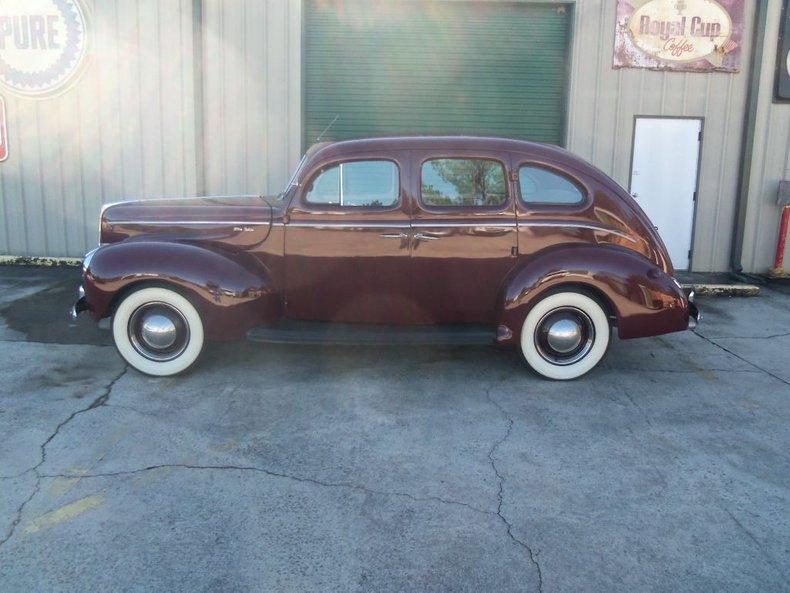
x=421 y=237
x=393 y=235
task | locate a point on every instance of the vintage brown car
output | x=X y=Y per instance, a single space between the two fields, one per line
x=392 y=240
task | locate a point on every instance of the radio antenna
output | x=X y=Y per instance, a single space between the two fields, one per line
x=326 y=129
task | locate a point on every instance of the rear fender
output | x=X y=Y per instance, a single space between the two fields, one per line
x=645 y=300
x=232 y=291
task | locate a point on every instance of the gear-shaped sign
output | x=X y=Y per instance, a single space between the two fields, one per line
x=43 y=45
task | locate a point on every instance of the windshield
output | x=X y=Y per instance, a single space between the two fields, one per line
x=294 y=177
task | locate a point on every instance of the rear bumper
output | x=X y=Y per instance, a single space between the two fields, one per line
x=694 y=313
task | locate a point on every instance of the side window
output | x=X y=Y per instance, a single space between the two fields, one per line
x=463 y=182
x=357 y=183
x=541 y=186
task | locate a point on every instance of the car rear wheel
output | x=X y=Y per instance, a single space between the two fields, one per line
x=158 y=331
x=565 y=335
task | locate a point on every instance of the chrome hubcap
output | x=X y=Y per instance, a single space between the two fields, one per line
x=564 y=336
x=158 y=331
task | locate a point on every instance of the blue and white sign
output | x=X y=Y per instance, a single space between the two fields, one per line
x=43 y=45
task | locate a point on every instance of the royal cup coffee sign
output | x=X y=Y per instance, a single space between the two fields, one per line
x=43 y=45
x=685 y=35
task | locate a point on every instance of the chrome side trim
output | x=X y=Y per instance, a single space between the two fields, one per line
x=464 y=224
x=578 y=225
x=383 y=225
x=346 y=225
x=108 y=205
x=191 y=222
x=481 y=224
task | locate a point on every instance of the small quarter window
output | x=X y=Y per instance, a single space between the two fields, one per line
x=541 y=186
x=357 y=183
x=463 y=182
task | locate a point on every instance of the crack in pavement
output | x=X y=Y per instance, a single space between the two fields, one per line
x=96 y=403
x=103 y=398
x=760 y=547
x=501 y=486
x=749 y=362
x=274 y=474
x=769 y=337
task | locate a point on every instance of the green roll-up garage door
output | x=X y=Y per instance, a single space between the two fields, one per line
x=396 y=67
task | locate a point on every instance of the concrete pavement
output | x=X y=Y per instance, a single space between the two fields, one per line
x=294 y=468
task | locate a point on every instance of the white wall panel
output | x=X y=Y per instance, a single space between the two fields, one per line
x=252 y=94
x=771 y=160
x=604 y=102
x=124 y=130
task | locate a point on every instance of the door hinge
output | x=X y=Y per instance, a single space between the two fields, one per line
x=694 y=197
x=513 y=176
x=699 y=137
x=689 y=255
x=514 y=251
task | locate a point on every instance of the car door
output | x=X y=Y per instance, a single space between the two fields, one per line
x=464 y=234
x=347 y=244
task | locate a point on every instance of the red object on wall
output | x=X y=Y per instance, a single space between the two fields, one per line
x=3 y=132
x=780 y=247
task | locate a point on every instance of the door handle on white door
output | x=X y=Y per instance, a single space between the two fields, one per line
x=393 y=235
x=421 y=237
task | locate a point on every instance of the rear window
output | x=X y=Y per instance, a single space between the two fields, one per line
x=541 y=186
x=463 y=182
x=356 y=184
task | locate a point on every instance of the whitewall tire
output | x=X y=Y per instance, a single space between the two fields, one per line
x=158 y=331
x=565 y=335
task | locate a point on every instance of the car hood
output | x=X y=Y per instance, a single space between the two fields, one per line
x=247 y=218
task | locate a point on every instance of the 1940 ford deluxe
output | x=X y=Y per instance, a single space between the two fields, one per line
x=392 y=240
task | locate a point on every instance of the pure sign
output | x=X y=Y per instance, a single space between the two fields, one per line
x=43 y=44
x=686 y=35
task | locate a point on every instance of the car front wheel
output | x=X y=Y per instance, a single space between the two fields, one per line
x=158 y=331
x=565 y=335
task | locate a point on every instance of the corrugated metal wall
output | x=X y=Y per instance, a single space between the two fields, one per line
x=156 y=114
x=126 y=129
x=133 y=125
x=252 y=94
x=770 y=162
x=604 y=102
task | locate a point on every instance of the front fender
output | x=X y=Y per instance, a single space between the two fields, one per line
x=232 y=291
x=645 y=300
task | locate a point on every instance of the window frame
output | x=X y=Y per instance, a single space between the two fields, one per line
x=460 y=208
x=584 y=191
x=322 y=168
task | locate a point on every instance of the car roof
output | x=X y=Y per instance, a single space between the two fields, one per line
x=539 y=151
x=434 y=141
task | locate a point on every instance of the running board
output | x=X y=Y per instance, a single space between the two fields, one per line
x=320 y=332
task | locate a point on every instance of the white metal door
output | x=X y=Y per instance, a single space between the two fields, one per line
x=664 y=179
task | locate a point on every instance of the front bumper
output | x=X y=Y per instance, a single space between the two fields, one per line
x=81 y=305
